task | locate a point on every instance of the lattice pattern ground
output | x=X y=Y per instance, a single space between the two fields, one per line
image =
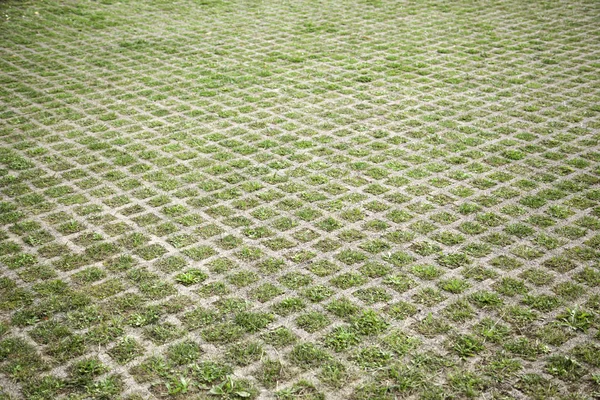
x=346 y=199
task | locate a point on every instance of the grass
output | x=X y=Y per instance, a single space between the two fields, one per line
x=223 y=199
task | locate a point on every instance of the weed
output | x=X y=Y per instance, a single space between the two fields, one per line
x=126 y=350
x=576 y=319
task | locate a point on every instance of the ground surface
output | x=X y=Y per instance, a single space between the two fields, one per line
x=299 y=199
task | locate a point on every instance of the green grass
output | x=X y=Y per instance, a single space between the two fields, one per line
x=225 y=199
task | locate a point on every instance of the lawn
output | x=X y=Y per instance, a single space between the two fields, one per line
x=260 y=199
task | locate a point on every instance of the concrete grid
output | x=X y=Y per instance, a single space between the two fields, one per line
x=299 y=200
